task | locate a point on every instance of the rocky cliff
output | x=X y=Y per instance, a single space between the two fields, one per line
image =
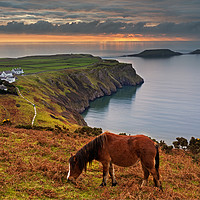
x=89 y=84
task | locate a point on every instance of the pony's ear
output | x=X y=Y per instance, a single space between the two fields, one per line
x=74 y=158
x=72 y=155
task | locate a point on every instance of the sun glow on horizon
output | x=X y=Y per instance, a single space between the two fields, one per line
x=14 y=38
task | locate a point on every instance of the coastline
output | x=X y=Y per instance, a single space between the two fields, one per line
x=60 y=96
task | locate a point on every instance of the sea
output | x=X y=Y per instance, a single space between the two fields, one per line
x=165 y=107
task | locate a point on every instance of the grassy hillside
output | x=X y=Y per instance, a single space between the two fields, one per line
x=60 y=95
x=34 y=165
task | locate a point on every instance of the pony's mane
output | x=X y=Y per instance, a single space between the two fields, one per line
x=89 y=152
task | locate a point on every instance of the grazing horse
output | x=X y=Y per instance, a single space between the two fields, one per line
x=121 y=150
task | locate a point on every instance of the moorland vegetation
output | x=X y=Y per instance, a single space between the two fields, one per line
x=34 y=165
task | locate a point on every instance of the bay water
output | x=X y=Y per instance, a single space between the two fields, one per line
x=166 y=106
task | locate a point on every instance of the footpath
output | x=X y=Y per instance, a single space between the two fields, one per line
x=34 y=107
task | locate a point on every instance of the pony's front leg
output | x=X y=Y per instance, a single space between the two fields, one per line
x=105 y=173
x=112 y=174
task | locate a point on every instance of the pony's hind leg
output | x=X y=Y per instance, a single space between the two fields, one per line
x=106 y=166
x=146 y=176
x=156 y=178
x=149 y=167
x=112 y=174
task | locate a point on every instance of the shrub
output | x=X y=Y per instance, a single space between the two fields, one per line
x=166 y=148
x=194 y=145
x=23 y=126
x=122 y=133
x=176 y=144
x=86 y=130
x=42 y=128
x=181 y=142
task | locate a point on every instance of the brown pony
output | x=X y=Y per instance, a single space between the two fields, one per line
x=125 y=151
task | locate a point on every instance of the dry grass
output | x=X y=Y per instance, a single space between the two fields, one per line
x=34 y=165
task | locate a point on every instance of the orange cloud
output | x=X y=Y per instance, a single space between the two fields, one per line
x=10 y=38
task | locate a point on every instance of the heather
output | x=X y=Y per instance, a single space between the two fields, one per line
x=34 y=165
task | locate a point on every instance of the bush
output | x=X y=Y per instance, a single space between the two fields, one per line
x=166 y=148
x=122 y=133
x=24 y=126
x=86 y=130
x=176 y=144
x=194 y=145
x=162 y=142
x=43 y=128
x=181 y=142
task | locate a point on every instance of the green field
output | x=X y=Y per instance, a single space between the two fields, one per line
x=35 y=64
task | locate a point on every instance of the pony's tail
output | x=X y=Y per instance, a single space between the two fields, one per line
x=157 y=166
x=157 y=159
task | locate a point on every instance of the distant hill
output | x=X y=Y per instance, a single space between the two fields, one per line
x=156 y=53
x=195 y=52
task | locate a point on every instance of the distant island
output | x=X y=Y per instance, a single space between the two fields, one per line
x=160 y=53
x=156 y=53
x=195 y=52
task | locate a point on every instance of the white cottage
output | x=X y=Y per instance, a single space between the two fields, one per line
x=6 y=73
x=7 y=76
x=17 y=71
x=10 y=79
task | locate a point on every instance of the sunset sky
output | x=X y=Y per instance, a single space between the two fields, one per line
x=99 y=20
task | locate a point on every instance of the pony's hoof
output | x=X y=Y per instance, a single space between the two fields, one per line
x=103 y=184
x=114 y=184
x=71 y=182
x=161 y=189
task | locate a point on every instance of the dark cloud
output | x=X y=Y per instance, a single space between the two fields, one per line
x=138 y=10
x=108 y=27
x=172 y=17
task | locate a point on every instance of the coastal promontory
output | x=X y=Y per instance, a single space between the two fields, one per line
x=61 y=86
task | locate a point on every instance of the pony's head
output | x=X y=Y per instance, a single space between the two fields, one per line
x=74 y=168
x=86 y=154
